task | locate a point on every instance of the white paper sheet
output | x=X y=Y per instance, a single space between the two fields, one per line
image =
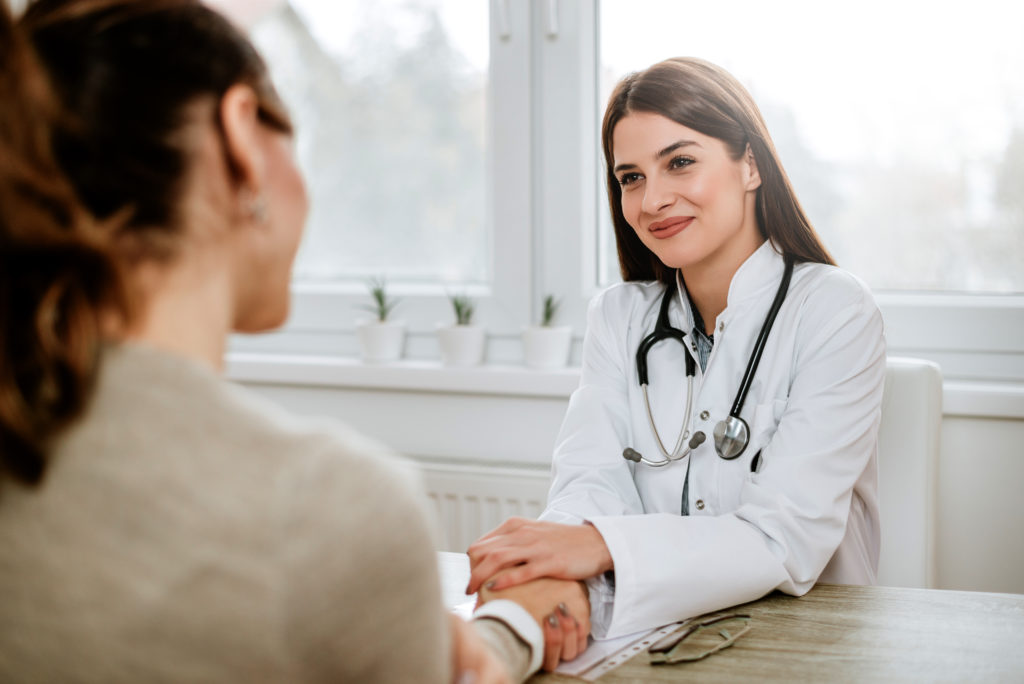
x=603 y=655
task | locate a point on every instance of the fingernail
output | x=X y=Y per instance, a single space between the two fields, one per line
x=552 y=620
x=563 y=609
x=490 y=585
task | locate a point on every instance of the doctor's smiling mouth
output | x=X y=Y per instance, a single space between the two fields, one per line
x=670 y=226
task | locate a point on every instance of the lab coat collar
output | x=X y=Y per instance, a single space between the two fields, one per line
x=762 y=269
x=684 y=301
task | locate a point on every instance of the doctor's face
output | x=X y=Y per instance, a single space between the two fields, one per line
x=688 y=200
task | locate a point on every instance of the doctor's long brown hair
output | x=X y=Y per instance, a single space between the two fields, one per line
x=93 y=97
x=706 y=98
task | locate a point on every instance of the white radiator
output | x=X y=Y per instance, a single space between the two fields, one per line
x=472 y=500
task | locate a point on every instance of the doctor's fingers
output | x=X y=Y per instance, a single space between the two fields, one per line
x=519 y=566
x=509 y=525
x=528 y=569
x=479 y=550
x=499 y=540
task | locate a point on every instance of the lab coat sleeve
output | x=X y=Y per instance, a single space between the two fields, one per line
x=589 y=475
x=792 y=514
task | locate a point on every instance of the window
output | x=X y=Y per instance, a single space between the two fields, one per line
x=901 y=124
x=389 y=99
x=414 y=159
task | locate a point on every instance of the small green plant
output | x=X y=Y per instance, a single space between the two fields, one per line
x=463 y=307
x=382 y=305
x=547 y=316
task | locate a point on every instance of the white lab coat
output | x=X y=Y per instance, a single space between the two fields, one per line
x=810 y=511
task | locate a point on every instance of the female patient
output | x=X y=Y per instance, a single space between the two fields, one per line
x=156 y=523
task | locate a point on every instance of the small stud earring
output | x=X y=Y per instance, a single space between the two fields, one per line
x=255 y=206
x=258 y=209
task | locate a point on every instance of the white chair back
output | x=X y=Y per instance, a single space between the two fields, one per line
x=908 y=456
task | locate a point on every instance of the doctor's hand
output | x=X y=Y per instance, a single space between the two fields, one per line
x=560 y=607
x=530 y=549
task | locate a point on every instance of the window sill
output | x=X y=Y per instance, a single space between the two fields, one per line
x=960 y=398
x=406 y=375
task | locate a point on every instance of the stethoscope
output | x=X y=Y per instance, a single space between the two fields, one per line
x=732 y=434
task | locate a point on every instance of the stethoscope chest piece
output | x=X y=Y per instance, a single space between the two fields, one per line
x=732 y=434
x=731 y=437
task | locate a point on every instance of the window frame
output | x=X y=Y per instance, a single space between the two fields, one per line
x=544 y=202
x=324 y=315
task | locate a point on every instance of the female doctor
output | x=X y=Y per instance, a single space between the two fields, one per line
x=722 y=441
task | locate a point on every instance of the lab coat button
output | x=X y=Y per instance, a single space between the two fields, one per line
x=721 y=326
x=704 y=415
x=700 y=504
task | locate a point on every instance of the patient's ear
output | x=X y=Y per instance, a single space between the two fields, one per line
x=239 y=120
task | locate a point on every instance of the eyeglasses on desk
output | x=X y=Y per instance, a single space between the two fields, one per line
x=696 y=640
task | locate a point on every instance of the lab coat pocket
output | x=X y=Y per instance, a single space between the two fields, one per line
x=764 y=424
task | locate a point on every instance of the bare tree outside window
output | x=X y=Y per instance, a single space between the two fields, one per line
x=900 y=123
x=389 y=99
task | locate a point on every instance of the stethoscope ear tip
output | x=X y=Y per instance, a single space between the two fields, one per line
x=631 y=454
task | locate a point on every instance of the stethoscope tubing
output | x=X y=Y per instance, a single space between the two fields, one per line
x=663 y=331
x=675 y=454
x=761 y=341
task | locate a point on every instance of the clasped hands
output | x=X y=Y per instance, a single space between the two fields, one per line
x=540 y=565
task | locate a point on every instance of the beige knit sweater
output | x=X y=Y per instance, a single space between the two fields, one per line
x=187 y=531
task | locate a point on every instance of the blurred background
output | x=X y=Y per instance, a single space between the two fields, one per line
x=901 y=125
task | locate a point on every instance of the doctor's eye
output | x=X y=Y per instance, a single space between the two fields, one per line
x=628 y=179
x=681 y=162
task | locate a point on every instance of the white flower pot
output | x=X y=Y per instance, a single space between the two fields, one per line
x=461 y=345
x=381 y=342
x=547 y=347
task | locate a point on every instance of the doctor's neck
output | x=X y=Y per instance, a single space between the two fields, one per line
x=707 y=296
x=708 y=281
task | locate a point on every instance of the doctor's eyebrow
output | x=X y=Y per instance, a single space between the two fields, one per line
x=679 y=144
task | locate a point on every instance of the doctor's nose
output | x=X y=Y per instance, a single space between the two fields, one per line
x=656 y=197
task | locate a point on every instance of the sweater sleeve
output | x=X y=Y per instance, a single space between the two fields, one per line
x=359 y=590
x=513 y=635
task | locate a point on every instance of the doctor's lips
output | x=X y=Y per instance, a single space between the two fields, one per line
x=669 y=227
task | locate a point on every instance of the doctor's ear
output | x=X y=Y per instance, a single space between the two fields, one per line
x=753 y=179
x=238 y=112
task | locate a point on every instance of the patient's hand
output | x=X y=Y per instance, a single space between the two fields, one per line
x=560 y=607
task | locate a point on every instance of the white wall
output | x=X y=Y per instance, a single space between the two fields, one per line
x=508 y=418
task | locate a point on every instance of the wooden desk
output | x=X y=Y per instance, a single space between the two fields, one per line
x=852 y=634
